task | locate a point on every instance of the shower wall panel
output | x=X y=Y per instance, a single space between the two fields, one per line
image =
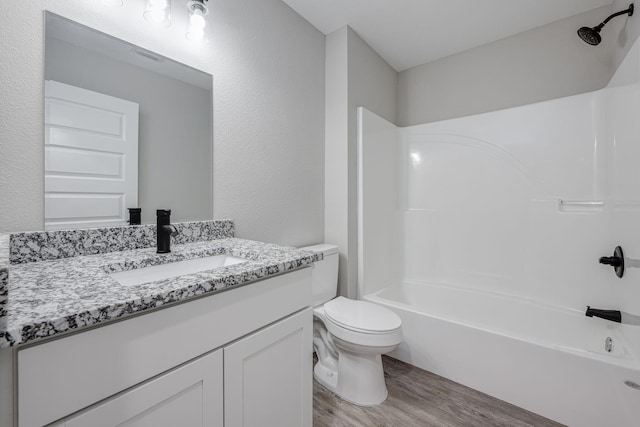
x=522 y=201
x=493 y=190
x=378 y=240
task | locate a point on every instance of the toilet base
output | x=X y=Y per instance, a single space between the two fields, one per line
x=359 y=380
x=326 y=376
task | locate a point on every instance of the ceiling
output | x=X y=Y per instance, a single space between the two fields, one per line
x=407 y=33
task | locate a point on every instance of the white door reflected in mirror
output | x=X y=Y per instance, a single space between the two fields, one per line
x=91 y=158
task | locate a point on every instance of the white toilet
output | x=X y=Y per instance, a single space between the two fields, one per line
x=349 y=336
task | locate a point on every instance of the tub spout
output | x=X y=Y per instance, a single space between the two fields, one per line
x=613 y=315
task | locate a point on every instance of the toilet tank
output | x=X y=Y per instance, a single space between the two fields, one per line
x=324 y=277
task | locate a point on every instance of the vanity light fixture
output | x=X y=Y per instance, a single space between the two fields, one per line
x=197 y=11
x=158 y=12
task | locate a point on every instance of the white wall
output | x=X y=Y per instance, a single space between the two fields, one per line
x=356 y=76
x=544 y=63
x=268 y=108
x=482 y=207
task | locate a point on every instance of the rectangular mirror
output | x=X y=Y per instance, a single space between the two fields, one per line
x=124 y=128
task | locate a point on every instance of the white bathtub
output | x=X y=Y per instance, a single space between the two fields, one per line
x=549 y=360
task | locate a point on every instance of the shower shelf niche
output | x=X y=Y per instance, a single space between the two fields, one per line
x=580 y=206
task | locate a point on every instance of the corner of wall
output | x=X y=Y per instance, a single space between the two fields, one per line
x=336 y=144
x=625 y=32
x=356 y=75
x=373 y=82
x=543 y=63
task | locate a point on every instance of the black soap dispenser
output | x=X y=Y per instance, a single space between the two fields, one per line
x=134 y=216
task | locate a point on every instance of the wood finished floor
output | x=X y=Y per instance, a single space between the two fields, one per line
x=420 y=398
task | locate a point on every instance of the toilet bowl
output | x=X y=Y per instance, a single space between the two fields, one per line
x=349 y=336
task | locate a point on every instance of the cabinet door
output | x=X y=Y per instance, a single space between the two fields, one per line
x=267 y=375
x=188 y=396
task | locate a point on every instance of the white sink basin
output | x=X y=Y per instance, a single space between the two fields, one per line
x=174 y=269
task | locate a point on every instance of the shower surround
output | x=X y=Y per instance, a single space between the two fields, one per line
x=484 y=233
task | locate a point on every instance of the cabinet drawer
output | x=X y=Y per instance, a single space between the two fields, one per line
x=60 y=377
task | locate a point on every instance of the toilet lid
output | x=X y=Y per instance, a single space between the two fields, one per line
x=361 y=315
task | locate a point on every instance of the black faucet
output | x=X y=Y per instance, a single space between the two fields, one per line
x=165 y=230
x=613 y=315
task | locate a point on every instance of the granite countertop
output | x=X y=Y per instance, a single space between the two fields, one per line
x=4 y=250
x=4 y=278
x=48 y=298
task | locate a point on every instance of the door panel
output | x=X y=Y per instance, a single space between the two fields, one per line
x=91 y=158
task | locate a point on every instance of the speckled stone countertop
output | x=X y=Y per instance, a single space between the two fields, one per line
x=4 y=277
x=48 y=298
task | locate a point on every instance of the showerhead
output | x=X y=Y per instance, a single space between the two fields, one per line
x=592 y=35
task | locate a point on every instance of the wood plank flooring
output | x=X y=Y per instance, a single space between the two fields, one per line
x=420 y=398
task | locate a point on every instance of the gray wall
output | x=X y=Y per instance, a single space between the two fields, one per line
x=356 y=76
x=268 y=122
x=21 y=116
x=544 y=63
x=336 y=205
x=6 y=387
x=624 y=30
x=175 y=141
x=268 y=68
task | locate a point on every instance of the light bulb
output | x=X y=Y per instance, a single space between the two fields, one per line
x=197 y=22
x=158 y=12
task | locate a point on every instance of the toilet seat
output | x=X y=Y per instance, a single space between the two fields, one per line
x=389 y=329
x=361 y=316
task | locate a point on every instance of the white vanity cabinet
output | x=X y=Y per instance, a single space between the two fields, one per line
x=188 y=396
x=267 y=376
x=241 y=357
